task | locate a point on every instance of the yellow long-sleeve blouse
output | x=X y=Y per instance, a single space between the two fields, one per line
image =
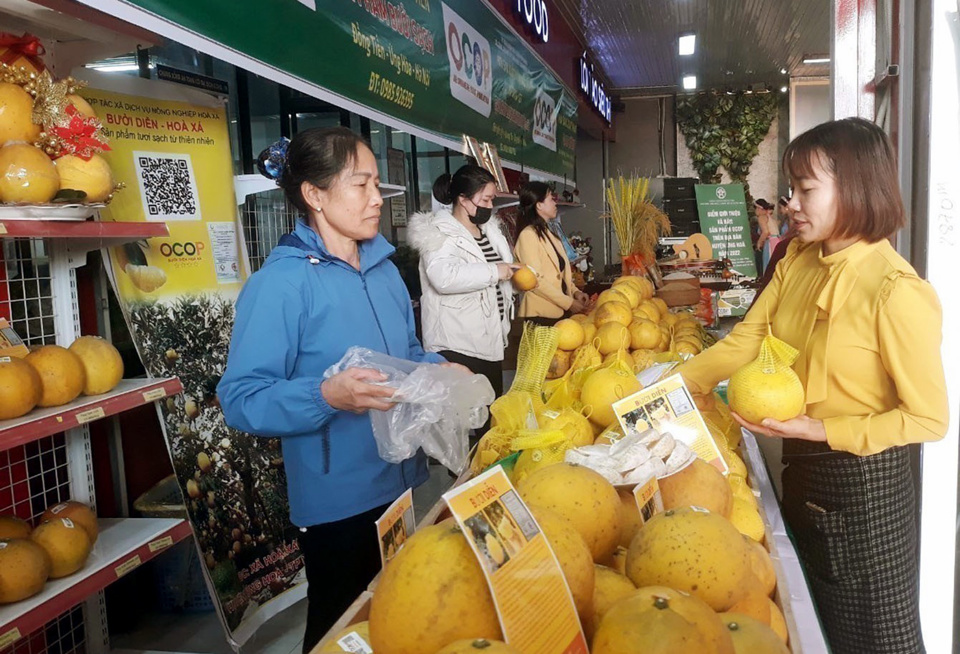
x=869 y=334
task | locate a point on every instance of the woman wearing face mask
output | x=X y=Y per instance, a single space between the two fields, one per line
x=537 y=247
x=465 y=270
x=327 y=286
x=868 y=329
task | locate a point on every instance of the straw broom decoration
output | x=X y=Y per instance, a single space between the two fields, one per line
x=637 y=222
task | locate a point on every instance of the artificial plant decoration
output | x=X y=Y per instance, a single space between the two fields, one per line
x=725 y=130
x=638 y=223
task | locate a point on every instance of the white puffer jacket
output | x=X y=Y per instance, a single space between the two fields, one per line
x=459 y=304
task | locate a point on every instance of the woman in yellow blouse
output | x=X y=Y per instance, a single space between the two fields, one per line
x=555 y=295
x=869 y=332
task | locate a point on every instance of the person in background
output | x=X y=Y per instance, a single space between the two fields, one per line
x=769 y=229
x=555 y=296
x=869 y=331
x=327 y=286
x=465 y=271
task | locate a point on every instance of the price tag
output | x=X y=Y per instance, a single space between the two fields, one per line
x=354 y=643
x=161 y=543
x=649 y=500
x=537 y=618
x=395 y=526
x=155 y=394
x=12 y=636
x=131 y=564
x=90 y=415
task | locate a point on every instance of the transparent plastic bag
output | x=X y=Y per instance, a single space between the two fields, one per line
x=435 y=407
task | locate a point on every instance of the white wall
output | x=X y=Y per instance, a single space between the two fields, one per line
x=809 y=104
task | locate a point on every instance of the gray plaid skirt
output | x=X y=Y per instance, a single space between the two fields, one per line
x=854 y=521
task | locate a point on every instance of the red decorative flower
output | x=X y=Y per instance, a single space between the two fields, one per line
x=80 y=136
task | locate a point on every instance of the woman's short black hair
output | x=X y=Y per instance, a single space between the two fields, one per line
x=318 y=156
x=467 y=181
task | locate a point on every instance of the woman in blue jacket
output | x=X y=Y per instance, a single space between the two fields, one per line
x=327 y=286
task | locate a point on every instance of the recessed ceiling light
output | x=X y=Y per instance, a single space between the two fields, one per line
x=688 y=44
x=783 y=71
x=816 y=59
x=689 y=82
x=783 y=89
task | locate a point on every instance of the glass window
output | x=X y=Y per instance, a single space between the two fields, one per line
x=431 y=163
x=264 y=113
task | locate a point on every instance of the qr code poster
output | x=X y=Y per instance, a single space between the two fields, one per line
x=168 y=186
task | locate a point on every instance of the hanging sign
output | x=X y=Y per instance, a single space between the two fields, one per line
x=593 y=88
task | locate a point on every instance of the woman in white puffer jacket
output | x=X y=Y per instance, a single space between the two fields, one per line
x=465 y=268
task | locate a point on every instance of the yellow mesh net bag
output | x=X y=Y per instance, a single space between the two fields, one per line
x=767 y=387
x=538 y=448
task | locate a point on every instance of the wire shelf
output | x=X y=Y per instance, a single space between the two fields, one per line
x=266 y=216
x=64 y=635
x=26 y=289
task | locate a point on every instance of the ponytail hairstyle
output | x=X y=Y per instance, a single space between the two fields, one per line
x=531 y=194
x=467 y=181
x=317 y=155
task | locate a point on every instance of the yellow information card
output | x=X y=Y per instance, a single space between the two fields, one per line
x=668 y=407
x=533 y=601
x=395 y=526
x=649 y=500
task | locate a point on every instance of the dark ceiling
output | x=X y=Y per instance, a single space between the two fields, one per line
x=739 y=42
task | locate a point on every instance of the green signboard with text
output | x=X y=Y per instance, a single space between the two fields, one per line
x=723 y=219
x=449 y=67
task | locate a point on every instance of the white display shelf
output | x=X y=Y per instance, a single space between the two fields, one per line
x=124 y=545
x=128 y=394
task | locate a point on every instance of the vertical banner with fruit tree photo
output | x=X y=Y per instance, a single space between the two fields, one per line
x=171 y=148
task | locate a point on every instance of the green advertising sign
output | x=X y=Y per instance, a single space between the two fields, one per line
x=723 y=219
x=449 y=67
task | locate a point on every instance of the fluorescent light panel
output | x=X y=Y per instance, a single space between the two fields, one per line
x=689 y=82
x=816 y=60
x=688 y=44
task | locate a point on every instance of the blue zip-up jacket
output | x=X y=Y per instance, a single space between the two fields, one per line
x=296 y=317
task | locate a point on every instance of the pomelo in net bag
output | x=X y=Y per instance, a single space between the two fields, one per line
x=767 y=387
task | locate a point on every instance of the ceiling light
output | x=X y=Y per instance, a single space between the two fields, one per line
x=689 y=82
x=688 y=44
x=117 y=68
x=783 y=71
x=816 y=59
x=783 y=89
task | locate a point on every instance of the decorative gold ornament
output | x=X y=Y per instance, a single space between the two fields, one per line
x=50 y=101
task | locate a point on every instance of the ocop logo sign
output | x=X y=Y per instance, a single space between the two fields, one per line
x=545 y=121
x=181 y=250
x=468 y=52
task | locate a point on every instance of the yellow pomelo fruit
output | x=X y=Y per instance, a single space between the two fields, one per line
x=741 y=489
x=611 y=295
x=693 y=341
x=13 y=527
x=650 y=308
x=61 y=374
x=630 y=521
x=602 y=389
x=580 y=318
x=587 y=356
x=583 y=497
x=24 y=569
x=82 y=106
x=664 y=343
x=643 y=359
x=415 y=610
x=752 y=636
x=611 y=337
x=27 y=176
x=572 y=554
x=746 y=518
x=620 y=355
x=754 y=604
x=631 y=294
x=610 y=587
x=696 y=611
x=101 y=363
x=360 y=630
x=570 y=422
x=20 y=388
x=644 y=335
x=16 y=115
x=589 y=331
x=613 y=311
x=571 y=335
x=735 y=464
x=79 y=513
x=698 y=484
x=618 y=560
x=524 y=279
x=762 y=566
x=559 y=365
x=93 y=177
x=661 y=305
x=778 y=623
x=479 y=646
x=638 y=624
x=670 y=319
x=767 y=387
x=686 y=348
x=66 y=543
x=694 y=551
